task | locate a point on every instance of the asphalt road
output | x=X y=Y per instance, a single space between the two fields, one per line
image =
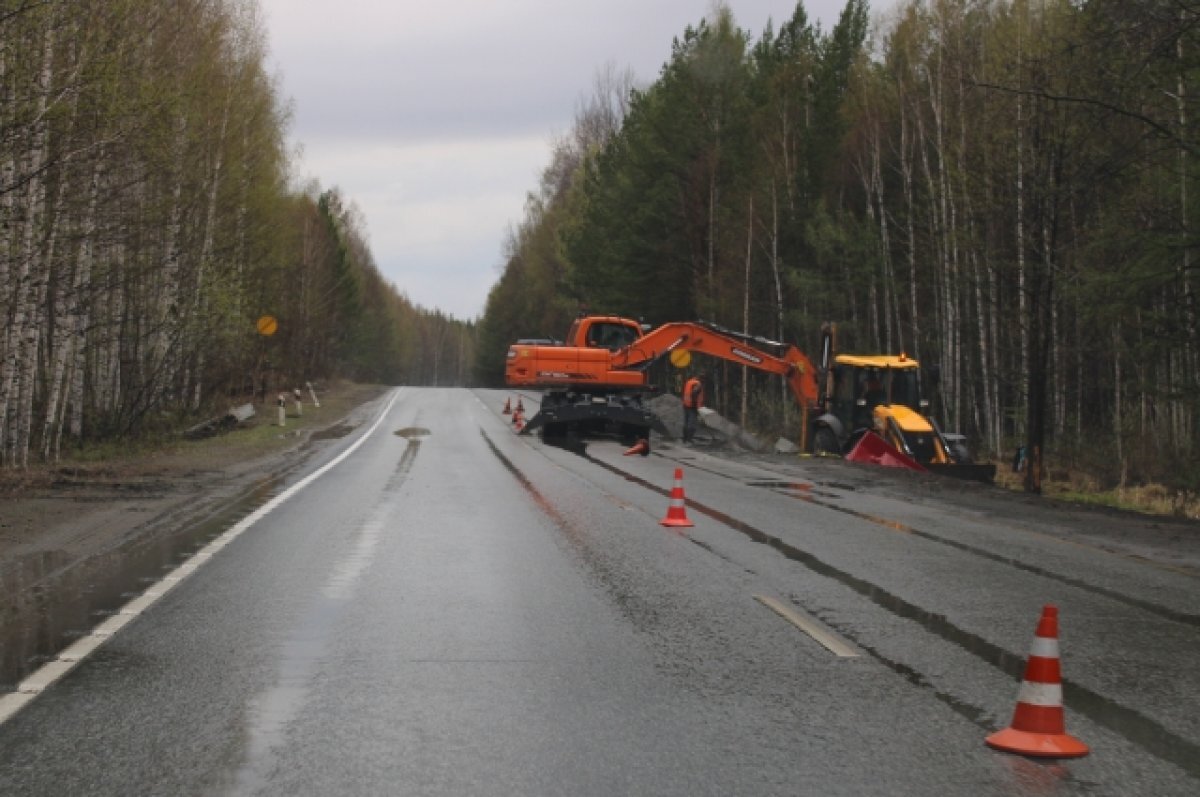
x=453 y=609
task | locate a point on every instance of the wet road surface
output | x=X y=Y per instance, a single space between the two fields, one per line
x=452 y=609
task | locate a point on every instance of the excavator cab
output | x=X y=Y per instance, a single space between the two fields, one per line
x=610 y=335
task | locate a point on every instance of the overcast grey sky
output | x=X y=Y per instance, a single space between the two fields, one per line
x=436 y=118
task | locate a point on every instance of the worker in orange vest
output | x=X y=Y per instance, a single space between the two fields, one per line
x=693 y=400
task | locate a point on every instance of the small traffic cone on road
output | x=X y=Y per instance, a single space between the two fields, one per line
x=677 y=512
x=641 y=447
x=520 y=406
x=1038 y=727
x=507 y=407
x=518 y=420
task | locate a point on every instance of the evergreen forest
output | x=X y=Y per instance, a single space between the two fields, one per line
x=148 y=221
x=1001 y=188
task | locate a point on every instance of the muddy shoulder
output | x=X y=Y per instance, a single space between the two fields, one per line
x=84 y=505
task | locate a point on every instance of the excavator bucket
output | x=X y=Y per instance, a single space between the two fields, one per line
x=873 y=449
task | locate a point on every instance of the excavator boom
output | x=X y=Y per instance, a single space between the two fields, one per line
x=710 y=339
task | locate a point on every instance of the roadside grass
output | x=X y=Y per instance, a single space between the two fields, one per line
x=262 y=434
x=258 y=437
x=1078 y=488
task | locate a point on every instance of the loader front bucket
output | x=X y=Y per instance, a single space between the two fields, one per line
x=873 y=449
x=974 y=471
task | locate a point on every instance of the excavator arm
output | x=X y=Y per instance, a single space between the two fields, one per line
x=714 y=341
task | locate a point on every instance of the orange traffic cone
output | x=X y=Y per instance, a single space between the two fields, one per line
x=641 y=447
x=1037 y=727
x=677 y=512
x=520 y=406
x=507 y=407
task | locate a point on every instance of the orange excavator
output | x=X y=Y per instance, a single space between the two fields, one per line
x=596 y=380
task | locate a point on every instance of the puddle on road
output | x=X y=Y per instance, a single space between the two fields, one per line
x=49 y=601
x=334 y=432
x=782 y=485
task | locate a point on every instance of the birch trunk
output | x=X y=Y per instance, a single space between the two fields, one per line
x=34 y=330
x=988 y=423
x=938 y=233
x=1183 y=435
x=37 y=328
x=890 y=310
x=775 y=273
x=24 y=296
x=7 y=173
x=712 y=236
x=944 y=210
x=906 y=170
x=1118 y=406
x=1022 y=298
x=161 y=365
x=746 y=307
x=67 y=331
x=206 y=251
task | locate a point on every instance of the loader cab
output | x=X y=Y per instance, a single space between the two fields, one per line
x=860 y=384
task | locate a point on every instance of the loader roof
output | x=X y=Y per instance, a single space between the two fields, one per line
x=902 y=361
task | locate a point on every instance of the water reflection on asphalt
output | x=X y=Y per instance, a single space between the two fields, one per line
x=50 y=600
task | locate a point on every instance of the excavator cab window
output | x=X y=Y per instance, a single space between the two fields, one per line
x=610 y=336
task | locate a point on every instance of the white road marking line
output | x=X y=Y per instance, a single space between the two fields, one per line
x=45 y=676
x=820 y=634
x=140 y=603
x=81 y=648
x=113 y=624
x=13 y=702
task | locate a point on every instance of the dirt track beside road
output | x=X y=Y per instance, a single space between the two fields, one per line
x=54 y=516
